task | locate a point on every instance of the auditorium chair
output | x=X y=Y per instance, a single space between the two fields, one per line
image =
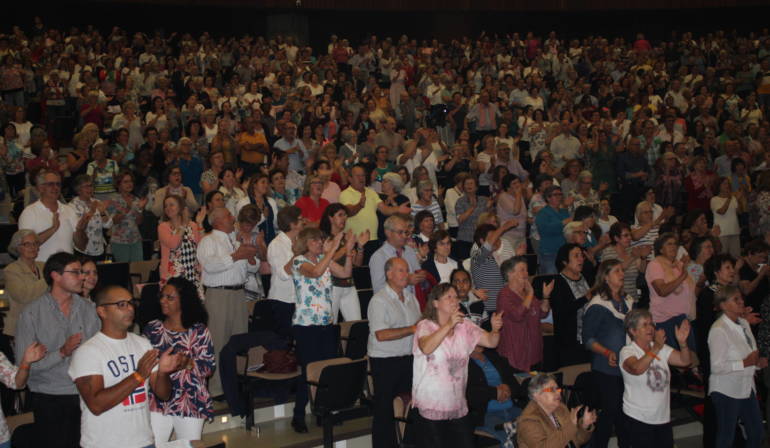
x=336 y=389
x=252 y=379
x=354 y=337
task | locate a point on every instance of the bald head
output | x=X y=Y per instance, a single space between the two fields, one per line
x=397 y=273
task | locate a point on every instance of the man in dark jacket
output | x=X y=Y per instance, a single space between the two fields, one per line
x=494 y=395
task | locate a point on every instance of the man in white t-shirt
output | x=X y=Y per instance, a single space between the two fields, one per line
x=111 y=371
x=53 y=221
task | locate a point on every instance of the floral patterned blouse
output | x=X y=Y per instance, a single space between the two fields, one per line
x=7 y=377
x=94 y=229
x=314 y=295
x=14 y=159
x=190 y=395
x=126 y=231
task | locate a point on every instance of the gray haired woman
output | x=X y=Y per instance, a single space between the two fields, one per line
x=24 y=280
x=546 y=421
x=647 y=378
x=426 y=200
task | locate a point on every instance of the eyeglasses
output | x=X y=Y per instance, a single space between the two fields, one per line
x=123 y=304
x=401 y=232
x=168 y=296
x=77 y=272
x=552 y=389
x=30 y=244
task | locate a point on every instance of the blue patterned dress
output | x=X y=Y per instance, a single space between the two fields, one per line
x=190 y=397
x=313 y=295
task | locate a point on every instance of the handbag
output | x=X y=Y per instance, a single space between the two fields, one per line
x=279 y=361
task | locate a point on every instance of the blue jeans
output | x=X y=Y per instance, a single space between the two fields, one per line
x=728 y=410
x=492 y=419
x=546 y=264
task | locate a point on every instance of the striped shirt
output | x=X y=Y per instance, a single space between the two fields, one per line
x=486 y=275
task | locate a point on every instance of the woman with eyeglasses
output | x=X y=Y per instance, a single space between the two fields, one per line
x=311 y=203
x=181 y=325
x=24 y=280
x=312 y=268
x=547 y=422
x=647 y=379
x=443 y=342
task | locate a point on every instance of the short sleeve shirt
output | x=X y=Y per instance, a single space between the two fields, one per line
x=366 y=218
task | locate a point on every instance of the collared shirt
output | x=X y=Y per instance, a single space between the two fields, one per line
x=386 y=311
x=296 y=159
x=279 y=252
x=215 y=256
x=39 y=218
x=43 y=321
x=729 y=344
x=382 y=255
x=366 y=218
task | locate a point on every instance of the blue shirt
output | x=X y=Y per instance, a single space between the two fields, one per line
x=192 y=170
x=493 y=380
x=381 y=256
x=604 y=326
x=296 y=159
x=551 y=229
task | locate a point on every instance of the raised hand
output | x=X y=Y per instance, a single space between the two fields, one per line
x=548 y=288
x=71 y=344
x=481 y=294
x=147 y=362
x=363 y=238
x=456 y=318
x=589 y=418
x=34 y=352
x=573 y=414
x=497 y=321
x=682 y=331
x=169 y=362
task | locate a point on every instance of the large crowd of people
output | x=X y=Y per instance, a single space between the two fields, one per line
x=633 y=177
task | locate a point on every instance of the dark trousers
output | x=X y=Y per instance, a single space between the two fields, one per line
x=313 y=343
x=283 y=312
x=610 y=395
x=57 y=420
x=227 y=364
x=444 y=433
x=644 y=435
x=729 y=410
x=391 y=376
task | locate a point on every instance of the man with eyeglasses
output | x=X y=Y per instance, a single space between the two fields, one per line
x=112 y=370
x=396 y=234
x=60 y=319
x=53 y=221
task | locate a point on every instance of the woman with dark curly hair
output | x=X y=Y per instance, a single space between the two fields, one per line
x=181 y=326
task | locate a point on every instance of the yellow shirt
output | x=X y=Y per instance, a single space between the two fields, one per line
x=366 y=218
x=244 y=138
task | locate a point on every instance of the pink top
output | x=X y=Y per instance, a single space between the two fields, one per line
x=521 y=341
x=331 y=192
x=438 y=387
x=674 y=304
x=169 y=241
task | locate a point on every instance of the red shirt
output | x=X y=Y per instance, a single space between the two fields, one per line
x=310 y=211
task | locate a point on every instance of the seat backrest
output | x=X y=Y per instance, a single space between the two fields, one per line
x=364 y=297
x=361 y=277
x=340 y=385
x=254 y=358
x=313 y=370
x=570 y=373
x=358 y=340
x=143 y=268
x=345 y=332
x=14 y=421
x=114 y=274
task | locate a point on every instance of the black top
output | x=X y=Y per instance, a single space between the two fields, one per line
x=759 y=294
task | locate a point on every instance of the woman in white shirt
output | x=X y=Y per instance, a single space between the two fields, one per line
x=725 y=208
x=734 y=361
x=647 y=379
